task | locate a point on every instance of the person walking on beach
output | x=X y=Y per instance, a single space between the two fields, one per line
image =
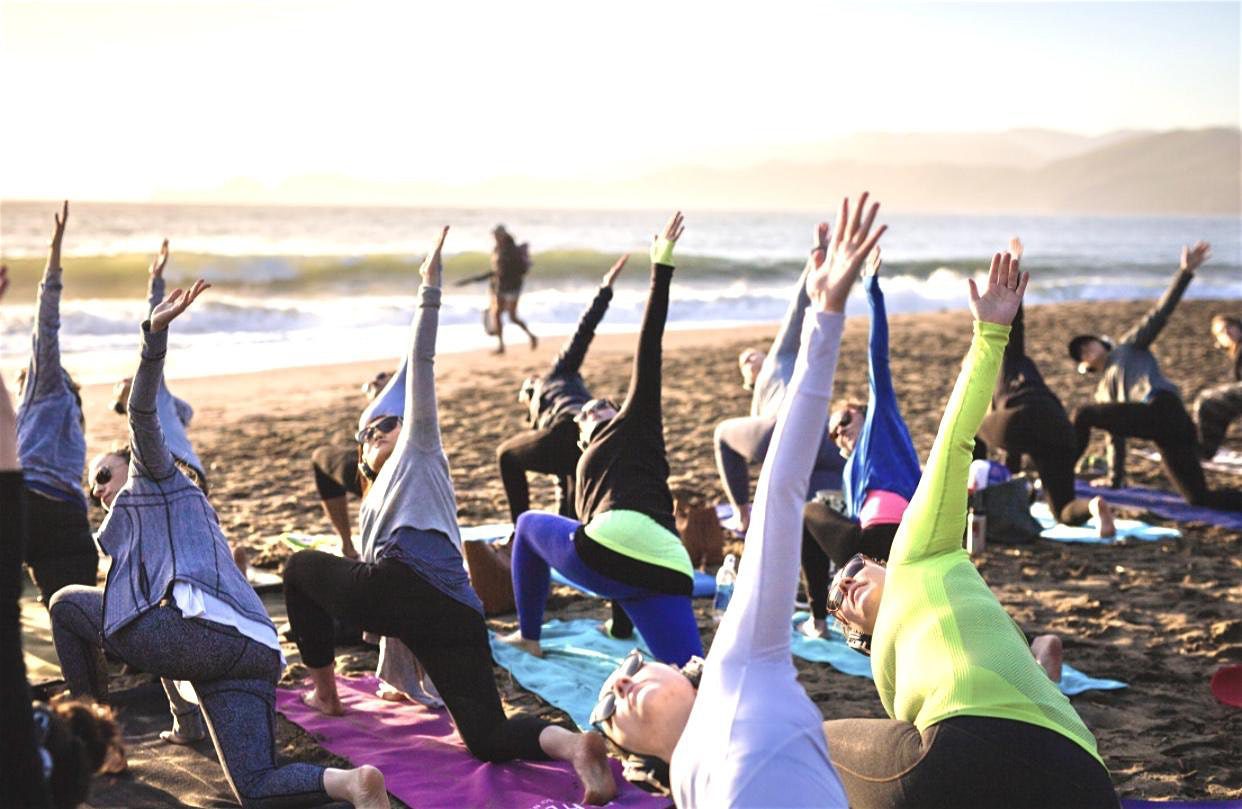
x=411 y=581
x=510 y=264
x=742 y=442
x=1217 y=406
x=1028 y=419
x=1134 y=399
x=51 y=440
x=624 y=544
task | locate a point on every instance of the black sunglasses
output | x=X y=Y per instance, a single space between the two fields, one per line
x=607 y=705
x=851 y=569
x=384 y=425
x=846 y=418
x=103 y=475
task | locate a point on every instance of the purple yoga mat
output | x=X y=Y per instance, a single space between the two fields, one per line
x=1166 y=504
x=425 y=762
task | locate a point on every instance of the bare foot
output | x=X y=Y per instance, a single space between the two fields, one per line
x=590 y=762
x=173 y=737
x=1102 y=511
x=814 y=628
x=1047 y=651
x=515 y=638
x=387 y=692
x=331 y=707
x=241 y=558
x=534 y=342
x=362 y=787
x=500 y=350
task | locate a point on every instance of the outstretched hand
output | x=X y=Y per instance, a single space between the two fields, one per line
x=662 y=245
x=820 y=251
x=874 y=262
x=1015 y=248
x=615 y=270
x=1000 y=301
x=4 y=280
x=160 y=260
x=58 y=235
x=432 y=269
x=829 y=285
x=1193 y=257
x=176 y=303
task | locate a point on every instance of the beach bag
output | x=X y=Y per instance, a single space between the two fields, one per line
x=700 y=531
x=1007 y=507
x=489 y=322
x=491 y=575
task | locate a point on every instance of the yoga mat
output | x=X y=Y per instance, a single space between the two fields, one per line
x=1226 y=460
x=1127 y=530
x=833 y=651
x=425 y=762
x=577 y=658
x=1166 y=504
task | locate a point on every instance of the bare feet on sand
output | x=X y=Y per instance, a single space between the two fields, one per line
x=515 y=638
x=814 y=628
x=591 y=764
x=1047 y=651
x=362 y=787
x=332 y=707
x=1102 y=511
x=175 y=737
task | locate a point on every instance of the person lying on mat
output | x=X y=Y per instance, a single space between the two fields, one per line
x=881 y=471
x=1134 y=398
x=741 y=442
x=411 y=581
x=1217 y=406
x=176 y=606
x=51 y=440
x=974 y=719
x=1028 y=419
x=738 y=730
x=626 y=546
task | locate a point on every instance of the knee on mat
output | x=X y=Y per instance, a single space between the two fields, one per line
x=295 y=563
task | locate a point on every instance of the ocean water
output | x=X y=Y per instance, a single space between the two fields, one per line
x=302 y=286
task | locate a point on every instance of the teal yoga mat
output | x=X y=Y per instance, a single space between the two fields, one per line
x=1127 y=530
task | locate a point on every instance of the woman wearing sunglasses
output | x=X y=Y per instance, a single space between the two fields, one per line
x=738 y=729
x=881 y=471
x=626 y=548
x=411 y=582
x=52 y=443
x=974 y=719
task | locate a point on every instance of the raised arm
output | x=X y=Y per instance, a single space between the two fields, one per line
x=881 y=377
x=1016 y=349
x=146 y=436
x=642 y=402
x=9 y=459
x=155 y=280
x=422 y=421
x=936 y=518
x=756 y=624
x=572 y=355
x=1148 y=329
x=44 y=377
x=788 y=336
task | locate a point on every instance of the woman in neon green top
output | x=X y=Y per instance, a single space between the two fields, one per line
x=975 y=720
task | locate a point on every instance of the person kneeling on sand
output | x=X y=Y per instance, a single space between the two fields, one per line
x=1217 y=406
x=411 y=582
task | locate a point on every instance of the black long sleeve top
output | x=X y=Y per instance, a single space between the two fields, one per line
x=562 y=391
x=1020 y=381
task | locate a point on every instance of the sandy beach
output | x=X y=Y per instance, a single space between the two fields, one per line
x=1161 y=616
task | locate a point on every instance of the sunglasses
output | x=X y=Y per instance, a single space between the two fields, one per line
x=607 y=705
x=847 y=417
x=383 y=426
x=852 y=568
x=103 y=475
x=590 y=408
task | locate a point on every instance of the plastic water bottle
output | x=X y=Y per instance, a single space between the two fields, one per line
x=976 y=532
x=725 y=578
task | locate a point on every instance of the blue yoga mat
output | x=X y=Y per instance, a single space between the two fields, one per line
x=1166 y=504
x=833 y=651
x=577 y=658
x=1127 y=530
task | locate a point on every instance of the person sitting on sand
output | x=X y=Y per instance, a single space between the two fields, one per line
x=1027 y=418
x=411 y=582
x=510 y=264
x=738 y=729
x=626 y=546
x=974 y=719
x=1217 y=406
x=741 y=442
x=1133 y=398
x=52 y=443
x=881 y=472
x=176 y=606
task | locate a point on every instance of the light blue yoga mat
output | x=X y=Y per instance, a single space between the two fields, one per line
x=1127 y=530
x=577 y=659
x=833 y=651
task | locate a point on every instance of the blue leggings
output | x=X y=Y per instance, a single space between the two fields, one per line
x=543 y=541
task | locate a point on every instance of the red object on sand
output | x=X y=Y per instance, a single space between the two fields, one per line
x=1227 y=685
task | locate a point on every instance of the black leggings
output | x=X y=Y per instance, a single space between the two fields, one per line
x=1041 y=430
x=448 y=638
x=1215 y=408
x=1163 y=420
x=60 y=549
x=828 y=535
x=964 y=761
x=336 y=472
x=553 y=451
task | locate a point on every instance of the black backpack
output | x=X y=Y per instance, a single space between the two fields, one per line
x=1007 y=507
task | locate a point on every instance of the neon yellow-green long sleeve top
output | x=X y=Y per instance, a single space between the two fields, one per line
x=943 y=645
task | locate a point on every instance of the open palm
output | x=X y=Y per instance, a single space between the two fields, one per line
x=177 y=302
x=160 y=261
x=432 y=269
x=1003 y=295
x=828 y=286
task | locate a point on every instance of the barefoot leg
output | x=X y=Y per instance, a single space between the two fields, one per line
x=515 y=638
x=1102 y=511
x=362 y=787
x=1047 y=651
x=323 y=696
x=588 y=753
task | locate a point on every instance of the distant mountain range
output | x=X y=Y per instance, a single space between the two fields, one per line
x=1020 y=171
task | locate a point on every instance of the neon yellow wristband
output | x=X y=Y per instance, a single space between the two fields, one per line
x=662 y=251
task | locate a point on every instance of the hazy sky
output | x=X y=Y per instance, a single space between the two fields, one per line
x=112 y=100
